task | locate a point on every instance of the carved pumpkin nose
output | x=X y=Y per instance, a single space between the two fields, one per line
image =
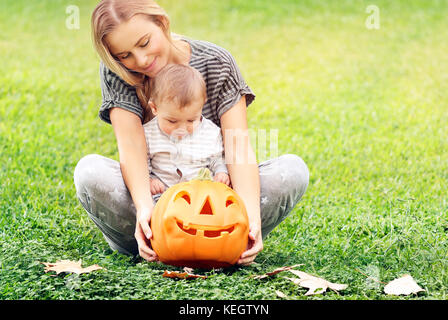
x=207 y=208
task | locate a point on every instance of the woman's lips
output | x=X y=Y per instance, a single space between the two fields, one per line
x=150 y=66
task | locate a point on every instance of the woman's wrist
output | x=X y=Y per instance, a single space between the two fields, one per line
x=144 y=207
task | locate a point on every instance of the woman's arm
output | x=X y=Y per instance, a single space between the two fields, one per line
x=243 y=170
x=132 y=150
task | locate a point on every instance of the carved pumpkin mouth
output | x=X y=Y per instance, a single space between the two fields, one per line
x=205 y=231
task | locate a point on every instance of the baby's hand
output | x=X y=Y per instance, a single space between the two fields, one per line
x=156 y=186
x=222 y=177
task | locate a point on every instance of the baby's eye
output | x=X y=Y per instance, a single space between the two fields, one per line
x=172 y=121
x=191 y=121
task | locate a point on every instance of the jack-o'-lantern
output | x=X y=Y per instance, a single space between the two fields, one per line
x=200 y=224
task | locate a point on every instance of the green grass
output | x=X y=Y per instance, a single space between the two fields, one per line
x=366 y=110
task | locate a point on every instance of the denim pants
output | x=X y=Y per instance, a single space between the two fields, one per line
x=102 y=192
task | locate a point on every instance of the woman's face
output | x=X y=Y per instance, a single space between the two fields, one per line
x=140 y=45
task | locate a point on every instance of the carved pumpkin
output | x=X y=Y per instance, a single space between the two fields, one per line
x=200 y=224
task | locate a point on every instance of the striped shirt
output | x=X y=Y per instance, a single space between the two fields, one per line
x=225 y=84
x=173 y=161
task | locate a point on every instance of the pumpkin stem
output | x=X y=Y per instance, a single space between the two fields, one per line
x=204 y=174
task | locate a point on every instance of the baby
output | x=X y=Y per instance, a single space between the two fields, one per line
x=180 y=140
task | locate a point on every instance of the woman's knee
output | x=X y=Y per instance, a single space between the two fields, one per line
x=99 y=179
x=284 y=176
x=86 y=171
x=295 y=174
x=284 y=183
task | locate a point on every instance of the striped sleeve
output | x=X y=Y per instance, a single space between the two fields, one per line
x=225 y=83
x=117 y=93
x=232 y=86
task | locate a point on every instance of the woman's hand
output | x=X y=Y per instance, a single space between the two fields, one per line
x=143 y=233
x=254 y=245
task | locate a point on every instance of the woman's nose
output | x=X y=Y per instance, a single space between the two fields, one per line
x=142 y=61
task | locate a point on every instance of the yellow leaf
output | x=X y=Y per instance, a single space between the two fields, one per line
x=69 y=267
x=280 y=294
x=404 y=285
x=181 y=275
x=278 y=270
x=314 y=284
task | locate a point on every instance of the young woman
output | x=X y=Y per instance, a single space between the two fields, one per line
x=134 y=42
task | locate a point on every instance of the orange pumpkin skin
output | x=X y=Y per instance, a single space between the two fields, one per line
x=199 y=224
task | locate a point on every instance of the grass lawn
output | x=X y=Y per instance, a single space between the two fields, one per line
x=366 y=109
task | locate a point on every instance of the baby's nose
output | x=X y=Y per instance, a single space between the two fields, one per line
x=180 y=132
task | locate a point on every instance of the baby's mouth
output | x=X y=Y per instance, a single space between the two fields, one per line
x=206 y=231
x=179 y=133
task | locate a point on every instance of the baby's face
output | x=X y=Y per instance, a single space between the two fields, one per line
x=178 y=122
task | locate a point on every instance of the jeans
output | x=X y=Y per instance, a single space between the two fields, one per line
x=102 y=192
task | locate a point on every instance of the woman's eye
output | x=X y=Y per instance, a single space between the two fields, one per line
x=145 y=44
x=124 y=57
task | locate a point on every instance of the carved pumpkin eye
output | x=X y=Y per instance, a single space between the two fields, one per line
x=230 y=200
x=184 y=195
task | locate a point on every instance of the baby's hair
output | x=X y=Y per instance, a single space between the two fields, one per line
x=178 y=83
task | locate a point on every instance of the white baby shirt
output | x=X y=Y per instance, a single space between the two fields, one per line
x=173 y=161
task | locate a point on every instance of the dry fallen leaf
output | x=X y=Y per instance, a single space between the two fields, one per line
x=314 y=284
x=404 y=285
x=69 y=267
x=181 y=275
x=276 y=271
x=280 y=294
x=188 y=270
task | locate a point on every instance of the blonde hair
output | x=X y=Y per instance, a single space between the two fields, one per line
x=106 y=16
x=178 y=83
